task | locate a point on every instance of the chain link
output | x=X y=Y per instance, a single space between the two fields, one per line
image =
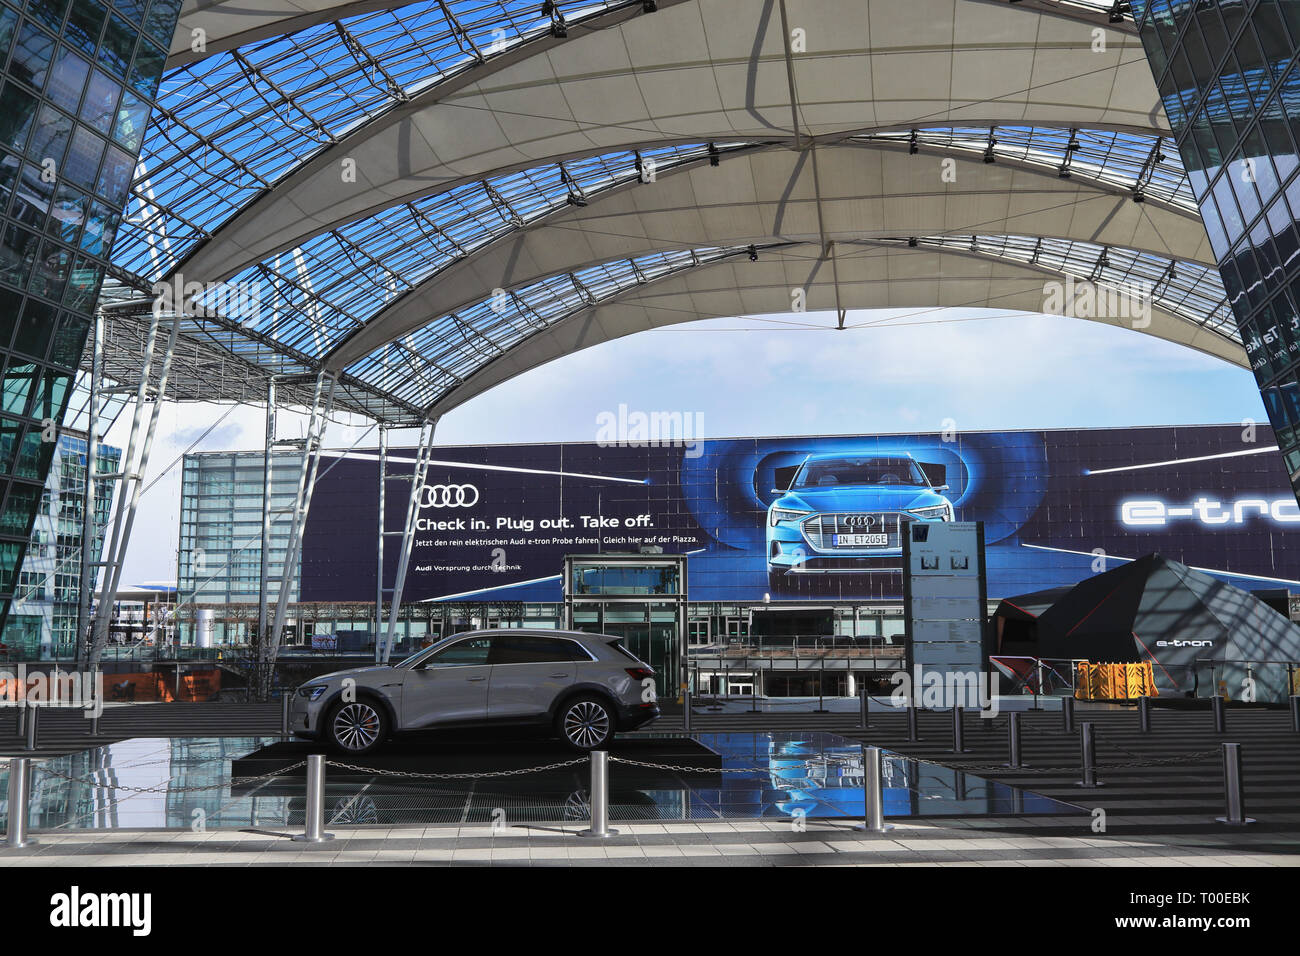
x=413 y=775
x=170 y=789
x=681 y=769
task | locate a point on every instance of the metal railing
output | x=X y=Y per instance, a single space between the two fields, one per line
x=795 y=644
x=20 y=783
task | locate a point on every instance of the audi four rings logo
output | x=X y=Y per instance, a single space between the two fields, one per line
x=448 y=496
x=859 y=521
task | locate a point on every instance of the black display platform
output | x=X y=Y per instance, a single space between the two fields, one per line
x=449 y=752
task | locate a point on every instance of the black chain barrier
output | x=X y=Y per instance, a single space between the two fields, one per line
x=484 y=775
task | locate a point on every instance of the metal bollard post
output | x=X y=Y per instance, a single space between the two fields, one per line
x=1089 y=746
x=1067 y=714
x=19 y=793
x=1220 y=716
x=599 y=828
x=1013 y=741
x=94 y=724
x=285 y=700
x=686 y=702
x=314 y=819
x=20 y=722
x=873 y=793
x=958 y=731
x=912 y=733
x=1234 y=807
x=1295 y=713
x=33 y=719
x=1144 y=714
x=865 y=708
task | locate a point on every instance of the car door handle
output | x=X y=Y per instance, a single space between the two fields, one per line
x=471 y=679
x=559 y=675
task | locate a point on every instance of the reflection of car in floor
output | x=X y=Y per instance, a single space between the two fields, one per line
x=583 y=686
x=846 y=513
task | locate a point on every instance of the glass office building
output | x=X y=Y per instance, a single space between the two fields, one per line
x=42 y=622
x=220 y=557
x=79 y=81
x=1228 y=75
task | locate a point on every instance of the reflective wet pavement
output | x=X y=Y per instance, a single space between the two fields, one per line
x=182 y=783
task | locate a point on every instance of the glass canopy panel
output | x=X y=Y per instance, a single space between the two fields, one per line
x=1119 y=159
x=1193 y=292
x=423 y=366
x=309 y=298
x=230 y=125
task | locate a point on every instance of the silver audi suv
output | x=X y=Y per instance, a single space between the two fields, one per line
x=583 y=686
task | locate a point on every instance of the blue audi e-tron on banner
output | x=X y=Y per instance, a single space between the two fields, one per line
x=845 y=514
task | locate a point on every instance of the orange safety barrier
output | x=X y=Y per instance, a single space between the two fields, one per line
x=1113 y=681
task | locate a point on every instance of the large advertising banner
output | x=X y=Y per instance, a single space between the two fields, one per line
x=814 y=517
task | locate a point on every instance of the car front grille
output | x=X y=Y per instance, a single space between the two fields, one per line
x=819 y=529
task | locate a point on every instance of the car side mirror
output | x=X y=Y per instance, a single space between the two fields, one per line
x=941 y=487
x=779 y=491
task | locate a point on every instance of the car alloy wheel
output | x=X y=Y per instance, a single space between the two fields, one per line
x=586 y=724
x=356 y=726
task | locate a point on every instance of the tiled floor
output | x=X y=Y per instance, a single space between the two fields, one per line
x=751 y=843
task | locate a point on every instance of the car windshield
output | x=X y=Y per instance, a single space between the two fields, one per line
x=830 y=472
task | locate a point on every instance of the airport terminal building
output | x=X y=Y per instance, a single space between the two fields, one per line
x=726 y=546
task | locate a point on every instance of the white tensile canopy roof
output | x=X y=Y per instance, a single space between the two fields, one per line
x=431 y=198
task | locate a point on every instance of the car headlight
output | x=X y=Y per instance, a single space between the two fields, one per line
x=784 y=514
x=936 y=513
x=312 y=691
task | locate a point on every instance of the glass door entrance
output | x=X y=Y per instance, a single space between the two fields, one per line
x=640 y=599
x=648 y=630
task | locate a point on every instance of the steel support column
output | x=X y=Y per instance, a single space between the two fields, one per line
x=322 y=405
x=89 y=554
x=134 y=462
x=264 y=565
x=379 y=549
x=422 y=456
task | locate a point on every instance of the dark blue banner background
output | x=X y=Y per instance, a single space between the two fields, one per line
x=1046 y=509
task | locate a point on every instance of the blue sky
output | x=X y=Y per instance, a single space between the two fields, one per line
x=781 y=375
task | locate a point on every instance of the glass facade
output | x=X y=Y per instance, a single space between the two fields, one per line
x=42 y=622
x=79 y=82
x=220 y=555
x=1228 y=75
